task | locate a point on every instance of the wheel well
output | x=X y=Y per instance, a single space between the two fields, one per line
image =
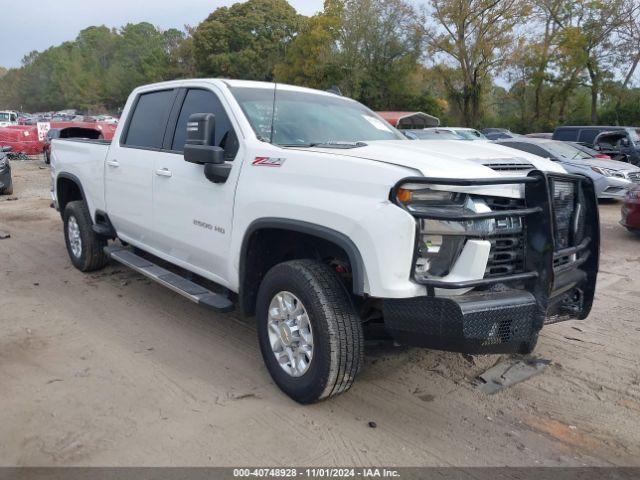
x=67 y=190
x=266 y=247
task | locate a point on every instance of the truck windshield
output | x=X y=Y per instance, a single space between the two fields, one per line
x=307 y=119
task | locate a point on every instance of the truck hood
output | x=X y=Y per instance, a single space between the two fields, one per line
x=451 y=159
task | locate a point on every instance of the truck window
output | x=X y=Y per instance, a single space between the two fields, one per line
x=149 y=119
x=566 y=134
x=588 y=135
x=205 y=101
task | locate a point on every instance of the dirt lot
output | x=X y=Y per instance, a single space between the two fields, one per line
x=110 y=369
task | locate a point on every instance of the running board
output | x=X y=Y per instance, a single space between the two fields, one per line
x=178 y=284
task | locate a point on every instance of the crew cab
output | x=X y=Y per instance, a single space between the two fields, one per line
x=308 y=211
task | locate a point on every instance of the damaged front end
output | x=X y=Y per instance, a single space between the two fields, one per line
x=533 y=260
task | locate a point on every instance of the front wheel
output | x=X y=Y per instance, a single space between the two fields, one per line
x=85 y=247
x=310 y=336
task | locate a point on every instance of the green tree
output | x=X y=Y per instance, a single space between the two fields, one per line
x=245 y=40
x=474 y=37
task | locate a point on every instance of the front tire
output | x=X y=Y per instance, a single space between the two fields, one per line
x=310 y=336
x=85 y=247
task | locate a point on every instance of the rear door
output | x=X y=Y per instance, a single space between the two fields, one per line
x=129 y=169
x=192 y=215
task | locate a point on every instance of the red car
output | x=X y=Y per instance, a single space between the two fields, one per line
x=631 y=211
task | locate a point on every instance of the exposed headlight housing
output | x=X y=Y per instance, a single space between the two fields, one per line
x=444 y=226
x=607 y=172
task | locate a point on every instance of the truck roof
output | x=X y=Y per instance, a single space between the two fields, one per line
x=234 y=84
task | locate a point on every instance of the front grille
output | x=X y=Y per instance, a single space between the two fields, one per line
x=564 y=205
x=506 y=256
x=634 y=177
x=507 y=251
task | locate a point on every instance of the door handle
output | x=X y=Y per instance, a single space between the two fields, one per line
x=164 y=172
x=113 y=163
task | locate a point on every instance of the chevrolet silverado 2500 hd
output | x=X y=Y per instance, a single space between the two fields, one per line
x=323 y=221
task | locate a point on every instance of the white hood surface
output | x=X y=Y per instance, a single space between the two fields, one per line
x=450 y=159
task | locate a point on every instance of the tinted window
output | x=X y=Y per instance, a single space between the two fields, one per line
x=588 y=135
x=205 y=101
x=149 y=119
x=570 y=134
x=529 y=148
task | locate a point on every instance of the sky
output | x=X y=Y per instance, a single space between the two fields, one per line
x=29 y=25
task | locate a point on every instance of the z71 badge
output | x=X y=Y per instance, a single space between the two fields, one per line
x=268 y=162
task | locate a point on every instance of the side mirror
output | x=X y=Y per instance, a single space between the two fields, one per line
x=200 y=147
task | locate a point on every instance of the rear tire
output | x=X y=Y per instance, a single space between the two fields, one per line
x=8 y=190
x=337 y=339
x=85 y=247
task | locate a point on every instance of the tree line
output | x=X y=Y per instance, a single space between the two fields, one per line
x=524 y=64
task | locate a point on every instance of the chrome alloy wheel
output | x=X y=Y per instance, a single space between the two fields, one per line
x=73 y=232
x=290 y=334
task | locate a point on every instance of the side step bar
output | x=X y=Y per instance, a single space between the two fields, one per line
x=178 y=284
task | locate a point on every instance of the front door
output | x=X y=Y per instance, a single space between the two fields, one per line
x=130 y=165
x=193 y=216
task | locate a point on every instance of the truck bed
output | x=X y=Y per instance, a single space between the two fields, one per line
x=85 y=159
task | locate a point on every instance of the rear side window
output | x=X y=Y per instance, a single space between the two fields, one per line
x=588 y=135
x=529 y=148
x=205 y=101
x=566 y=134
x=149 y=119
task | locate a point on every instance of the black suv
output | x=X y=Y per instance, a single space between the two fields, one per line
x=626 y=146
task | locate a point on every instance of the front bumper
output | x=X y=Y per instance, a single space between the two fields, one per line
x=631 y=215
x=504 y=314
x=613 y=188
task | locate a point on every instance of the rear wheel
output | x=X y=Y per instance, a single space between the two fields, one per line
x=8 y=190
x=85 y=247
x=310 y=336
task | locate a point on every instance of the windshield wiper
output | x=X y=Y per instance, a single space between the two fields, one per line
x=339 y=144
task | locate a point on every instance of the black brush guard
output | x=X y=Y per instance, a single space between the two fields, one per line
x=504 y=314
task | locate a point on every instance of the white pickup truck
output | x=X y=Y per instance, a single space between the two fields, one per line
x=307 y=210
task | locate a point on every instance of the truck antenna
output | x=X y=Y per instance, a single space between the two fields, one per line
x=273 y=111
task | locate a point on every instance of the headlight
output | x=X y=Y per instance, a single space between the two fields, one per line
x=607 y=172
x=443 y=226
x=422 y=199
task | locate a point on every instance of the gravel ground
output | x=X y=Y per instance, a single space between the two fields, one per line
x=111 y=369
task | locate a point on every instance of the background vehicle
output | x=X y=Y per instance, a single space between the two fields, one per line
x=312 y=213
x=8 y=118
x=68 y=132
x=612 y=179
x=462 y=132
x=619 y=146
x=498 y=133
x=590 y=151
x=631 y=211
x=587 y=134
x=6 y=182
x=431 y=134
x=539 y=135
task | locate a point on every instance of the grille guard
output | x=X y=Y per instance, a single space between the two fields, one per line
x=565 y=290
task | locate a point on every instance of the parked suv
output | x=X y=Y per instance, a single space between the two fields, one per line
x=314 y=215
x=587 y=134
